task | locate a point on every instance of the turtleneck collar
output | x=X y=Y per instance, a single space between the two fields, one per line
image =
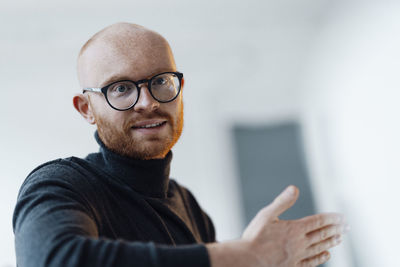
x=147 y=177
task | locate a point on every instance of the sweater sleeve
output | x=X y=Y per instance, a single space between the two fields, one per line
x=54 y=225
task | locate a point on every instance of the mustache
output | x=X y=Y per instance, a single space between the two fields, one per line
x=156 y=114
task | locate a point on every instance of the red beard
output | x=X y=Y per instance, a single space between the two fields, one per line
x=123 y=142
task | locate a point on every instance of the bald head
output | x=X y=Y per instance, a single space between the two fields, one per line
x=123 y=50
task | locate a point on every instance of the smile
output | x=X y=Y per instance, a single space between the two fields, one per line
x=149 y=125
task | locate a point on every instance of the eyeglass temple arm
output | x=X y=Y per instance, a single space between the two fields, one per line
x=91 y=90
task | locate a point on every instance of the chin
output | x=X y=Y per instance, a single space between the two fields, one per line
x=149 y=152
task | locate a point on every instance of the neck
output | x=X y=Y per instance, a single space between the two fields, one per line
x=148 y=177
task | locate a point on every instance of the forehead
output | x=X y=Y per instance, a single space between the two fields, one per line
x=125 y=56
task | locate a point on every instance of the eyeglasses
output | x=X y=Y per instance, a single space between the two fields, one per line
x=123 y=95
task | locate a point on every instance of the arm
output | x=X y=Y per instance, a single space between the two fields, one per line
x=270 y=242
x=55 y=226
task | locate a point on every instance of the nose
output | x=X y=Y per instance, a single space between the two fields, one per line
x=145 y=103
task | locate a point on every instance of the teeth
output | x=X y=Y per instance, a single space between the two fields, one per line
x=151 y=125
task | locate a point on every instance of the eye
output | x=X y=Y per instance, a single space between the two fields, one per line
x=121 y=88
x=160 y=81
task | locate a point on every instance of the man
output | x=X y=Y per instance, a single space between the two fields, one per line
x=118 y=207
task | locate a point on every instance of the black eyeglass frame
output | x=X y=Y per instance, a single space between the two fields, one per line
x=104 y=89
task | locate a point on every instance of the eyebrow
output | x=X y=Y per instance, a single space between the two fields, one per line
x=115 y=78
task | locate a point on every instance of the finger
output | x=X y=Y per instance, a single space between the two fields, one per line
x=318 y=221
x=326 y=232
x=316 y=260
x=326 y=244
x=284 y=201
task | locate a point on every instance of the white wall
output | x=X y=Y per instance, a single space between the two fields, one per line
x=244 y=61
x=351 y=113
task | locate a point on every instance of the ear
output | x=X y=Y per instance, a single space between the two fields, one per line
x=82 y=105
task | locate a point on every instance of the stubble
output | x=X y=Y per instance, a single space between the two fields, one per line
x=122 y=141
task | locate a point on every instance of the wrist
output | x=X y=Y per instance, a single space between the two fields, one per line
x=231 y=253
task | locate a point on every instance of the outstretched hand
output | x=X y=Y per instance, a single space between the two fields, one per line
x=270 y=242
x=295 y=243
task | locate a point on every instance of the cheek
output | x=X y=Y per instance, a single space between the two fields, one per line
x=104 y=113
x=175 y=109
x=177 y=105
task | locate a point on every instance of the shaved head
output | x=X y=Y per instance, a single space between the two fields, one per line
x=125 y=51
x=132 y=41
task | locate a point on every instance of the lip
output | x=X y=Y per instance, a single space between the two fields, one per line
x=149 y=131
x=147 y=122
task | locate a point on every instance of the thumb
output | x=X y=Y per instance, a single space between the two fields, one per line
x=284 y=201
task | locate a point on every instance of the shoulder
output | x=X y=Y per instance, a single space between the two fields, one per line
x=54 y=186
x=183 y=190
x=186 y=196
x=62 y=172
x=59 y=180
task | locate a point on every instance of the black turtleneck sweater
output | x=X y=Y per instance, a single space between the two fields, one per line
x=108 y=210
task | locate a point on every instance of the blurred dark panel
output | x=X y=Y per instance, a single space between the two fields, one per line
x=269 y=158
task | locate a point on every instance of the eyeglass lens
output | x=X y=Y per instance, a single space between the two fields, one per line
x=163 y=88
